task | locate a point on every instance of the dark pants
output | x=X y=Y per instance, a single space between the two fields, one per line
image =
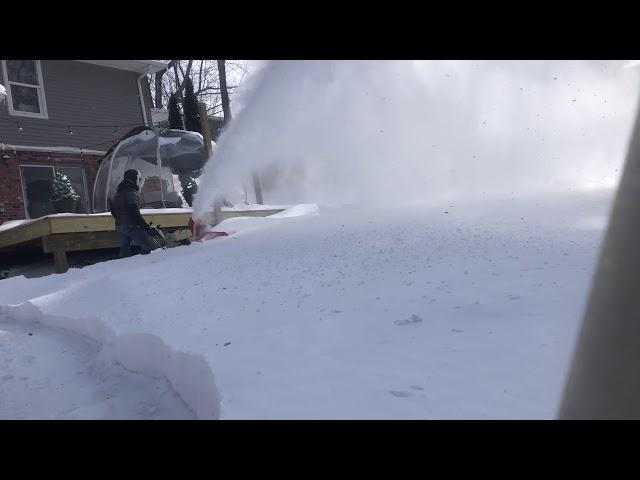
x=129 y=234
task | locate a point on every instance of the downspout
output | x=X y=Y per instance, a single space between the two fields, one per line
x=144 y=110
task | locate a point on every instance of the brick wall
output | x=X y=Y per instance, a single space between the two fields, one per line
x=11 y=195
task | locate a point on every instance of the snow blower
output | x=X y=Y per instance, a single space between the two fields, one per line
x=200 y=232
x=159 y=239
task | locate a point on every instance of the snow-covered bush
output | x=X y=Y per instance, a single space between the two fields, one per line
x=62 y=188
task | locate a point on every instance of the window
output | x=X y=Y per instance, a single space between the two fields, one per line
x=76 y=176
x=36 y=186
x=25 y=91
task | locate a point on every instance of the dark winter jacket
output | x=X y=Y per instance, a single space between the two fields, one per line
x=125 y=205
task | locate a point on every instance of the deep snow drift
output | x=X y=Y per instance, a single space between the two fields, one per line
x=462 y=310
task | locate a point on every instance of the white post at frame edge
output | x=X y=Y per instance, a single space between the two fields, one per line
x=603 y=381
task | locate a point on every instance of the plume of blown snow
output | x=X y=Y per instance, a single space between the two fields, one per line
x=388 y=132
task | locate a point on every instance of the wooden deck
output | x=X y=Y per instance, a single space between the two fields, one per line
x=59 y=234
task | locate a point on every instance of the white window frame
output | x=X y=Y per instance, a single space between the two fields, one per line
x=42 y=101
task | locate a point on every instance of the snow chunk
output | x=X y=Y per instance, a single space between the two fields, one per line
x=412 y=319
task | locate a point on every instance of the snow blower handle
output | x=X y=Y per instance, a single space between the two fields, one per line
x=157 y=236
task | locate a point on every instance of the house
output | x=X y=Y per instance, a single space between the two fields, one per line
x=63 y=114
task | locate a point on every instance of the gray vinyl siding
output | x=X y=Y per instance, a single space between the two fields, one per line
x=77 y=93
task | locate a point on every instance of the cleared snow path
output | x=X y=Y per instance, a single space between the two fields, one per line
x=50 y=373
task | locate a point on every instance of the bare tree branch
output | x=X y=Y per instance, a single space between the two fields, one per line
x=203 y=74
x=188 y=73
x=177 y=79
x=214 y=89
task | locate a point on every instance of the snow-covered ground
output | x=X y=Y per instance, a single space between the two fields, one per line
x=464 y=310
x=49 y=373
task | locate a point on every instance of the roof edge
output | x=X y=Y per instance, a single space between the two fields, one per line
x=139 y=66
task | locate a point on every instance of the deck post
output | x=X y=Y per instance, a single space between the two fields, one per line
x=60 y=261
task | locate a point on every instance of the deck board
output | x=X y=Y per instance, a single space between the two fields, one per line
x=25 y=232
x=89 y=224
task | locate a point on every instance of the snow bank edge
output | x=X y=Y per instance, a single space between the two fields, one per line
x=188 y=374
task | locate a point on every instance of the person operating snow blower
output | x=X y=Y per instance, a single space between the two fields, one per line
x=130 y=225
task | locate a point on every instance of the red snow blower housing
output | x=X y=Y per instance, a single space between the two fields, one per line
x=201 y=232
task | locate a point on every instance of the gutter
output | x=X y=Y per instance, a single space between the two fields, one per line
x=7 y=146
